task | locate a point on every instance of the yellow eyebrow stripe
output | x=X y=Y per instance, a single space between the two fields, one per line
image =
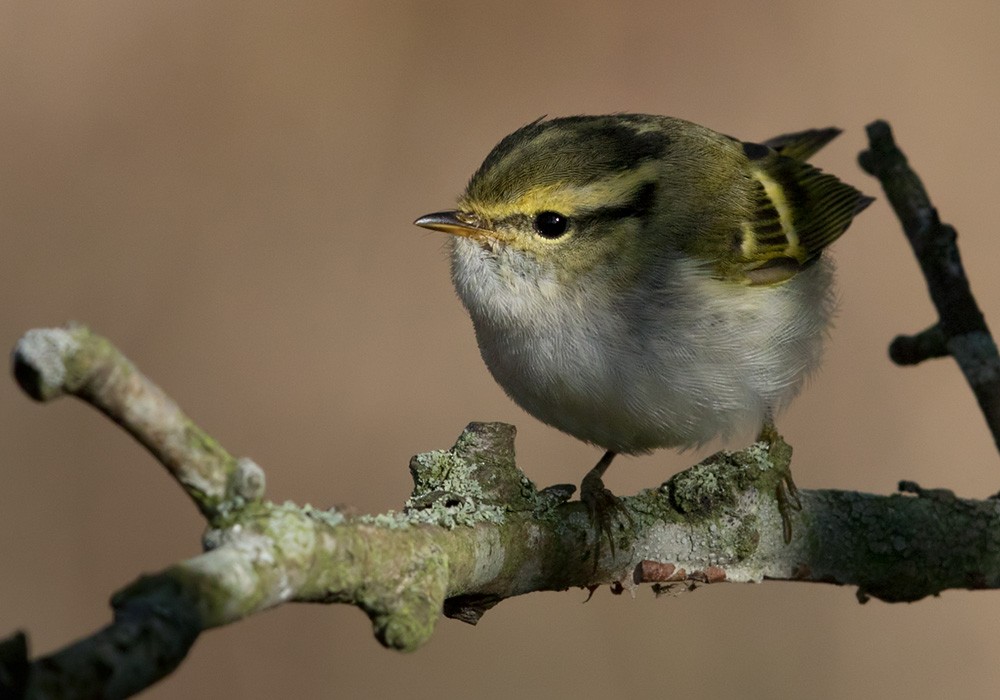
x=570 y=199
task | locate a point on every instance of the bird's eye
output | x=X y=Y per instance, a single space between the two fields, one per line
x=551 y=224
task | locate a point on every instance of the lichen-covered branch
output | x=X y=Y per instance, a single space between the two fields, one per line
x=476 y=530
x=53 y=362
x=961 y=329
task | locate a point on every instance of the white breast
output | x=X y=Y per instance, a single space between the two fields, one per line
x=677 y=366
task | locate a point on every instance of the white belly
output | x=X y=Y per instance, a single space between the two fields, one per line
x=696 y=360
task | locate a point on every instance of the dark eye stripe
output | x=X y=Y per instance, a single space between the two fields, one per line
x=639 y=206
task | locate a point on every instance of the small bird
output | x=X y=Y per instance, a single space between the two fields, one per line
x=640 y=281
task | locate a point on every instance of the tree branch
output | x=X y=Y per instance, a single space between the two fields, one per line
x=49 y=363
x=961 y=329
x=476 y=530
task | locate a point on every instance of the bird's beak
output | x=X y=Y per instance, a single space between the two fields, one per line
x=457 y=223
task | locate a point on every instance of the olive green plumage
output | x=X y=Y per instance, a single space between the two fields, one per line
x=641 y=281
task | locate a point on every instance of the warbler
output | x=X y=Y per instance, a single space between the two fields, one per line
x=640 y=281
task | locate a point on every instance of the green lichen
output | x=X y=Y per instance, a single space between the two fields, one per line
x=447 y=512
x=330 y=518
x=715 y=484
x=545 y=501
x=447 y=491
x=706 y=488
x=391 y=520
x=226 y=509
x=717 y=497
x=745 y=538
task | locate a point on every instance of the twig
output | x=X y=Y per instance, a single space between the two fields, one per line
x=961 y=329
x=51 y=362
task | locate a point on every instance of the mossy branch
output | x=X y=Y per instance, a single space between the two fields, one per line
x=53 y=362
x=476 y=530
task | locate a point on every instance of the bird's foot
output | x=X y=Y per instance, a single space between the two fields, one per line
x=786 y=492
x=607 y=512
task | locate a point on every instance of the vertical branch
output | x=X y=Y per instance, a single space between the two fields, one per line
x=961 y=329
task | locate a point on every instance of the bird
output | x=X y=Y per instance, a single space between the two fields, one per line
x=643 y=282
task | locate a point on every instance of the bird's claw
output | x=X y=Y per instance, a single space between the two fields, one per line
x=787 y=494
x=606 y=511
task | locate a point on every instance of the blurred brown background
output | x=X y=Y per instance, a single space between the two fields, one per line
x=225 y=189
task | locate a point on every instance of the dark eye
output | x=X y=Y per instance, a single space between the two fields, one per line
x=551 y=224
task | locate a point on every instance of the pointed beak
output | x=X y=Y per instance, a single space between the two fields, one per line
x=457 y=223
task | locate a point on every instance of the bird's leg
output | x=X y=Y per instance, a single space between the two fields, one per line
x=786 y=492
x=603 y=506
